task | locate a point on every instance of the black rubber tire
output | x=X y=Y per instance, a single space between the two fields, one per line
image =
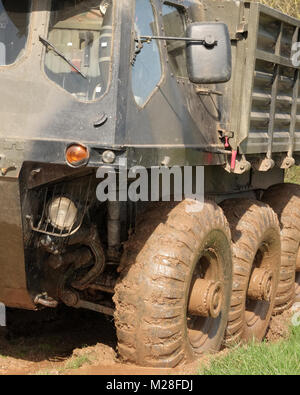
x=285 y=201
x=157 y=269
x=3 y=332
x=255 y=243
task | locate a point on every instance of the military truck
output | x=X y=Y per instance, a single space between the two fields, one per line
x=89 y=85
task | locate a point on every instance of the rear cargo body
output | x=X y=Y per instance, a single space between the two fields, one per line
x=262 y=100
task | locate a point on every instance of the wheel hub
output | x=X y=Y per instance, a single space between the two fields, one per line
x=206 y=298
x=261 y=285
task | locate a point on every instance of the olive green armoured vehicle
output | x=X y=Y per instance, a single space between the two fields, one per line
x=97 y=90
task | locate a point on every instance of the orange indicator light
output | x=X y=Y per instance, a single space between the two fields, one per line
x=77 y=155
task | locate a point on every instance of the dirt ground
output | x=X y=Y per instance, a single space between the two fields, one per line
x=78 y=342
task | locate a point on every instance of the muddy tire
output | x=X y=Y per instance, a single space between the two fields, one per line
x=3 y=332
x=163 y=317
x=285 y=201
x=256 y=261
x=297 y=287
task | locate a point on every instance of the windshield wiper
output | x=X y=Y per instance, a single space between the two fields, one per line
x=48 y=44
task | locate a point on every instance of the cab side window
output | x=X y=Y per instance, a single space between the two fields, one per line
x=14 y=29
x=147 y=70
x=82 y=31
x=174 y=25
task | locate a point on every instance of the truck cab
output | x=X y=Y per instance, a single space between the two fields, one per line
x=72 y=74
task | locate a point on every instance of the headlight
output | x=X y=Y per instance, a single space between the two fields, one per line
x=62 y=213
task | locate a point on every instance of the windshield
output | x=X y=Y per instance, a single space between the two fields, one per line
x=14 y=26
x=78 y=46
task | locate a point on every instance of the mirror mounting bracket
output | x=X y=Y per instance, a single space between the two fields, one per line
x=208 y=41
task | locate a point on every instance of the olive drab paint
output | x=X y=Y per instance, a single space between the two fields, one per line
x=80 y=73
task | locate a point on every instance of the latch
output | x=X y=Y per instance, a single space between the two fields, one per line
x=225 y=135
x=241 y=31
x=206 y=91
x=5 y=170
x=6 y=165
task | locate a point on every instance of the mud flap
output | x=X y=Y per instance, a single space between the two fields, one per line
x=13 y=284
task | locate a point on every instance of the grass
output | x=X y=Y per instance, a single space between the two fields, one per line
x=290 y=7
x=73 y=364
x=76 y=363
x=47 y=373
x=281 y=358
x=293 y=175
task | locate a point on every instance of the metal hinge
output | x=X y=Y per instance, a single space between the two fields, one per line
x=240 y=33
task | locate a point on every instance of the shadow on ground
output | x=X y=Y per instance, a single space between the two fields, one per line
x=53 y=335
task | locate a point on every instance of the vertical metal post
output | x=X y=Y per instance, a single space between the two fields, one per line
x=294 y=103
x=113 y=231
x=274 y=94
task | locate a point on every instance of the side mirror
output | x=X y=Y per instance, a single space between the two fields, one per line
x=209 y=62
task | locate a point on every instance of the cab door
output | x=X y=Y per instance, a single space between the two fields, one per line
x=202 y=102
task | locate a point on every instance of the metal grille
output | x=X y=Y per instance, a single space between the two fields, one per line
x=78 y=191
x=262 y=100
x=275 y=114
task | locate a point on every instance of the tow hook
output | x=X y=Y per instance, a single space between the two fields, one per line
x=5 y=170
x=46 y=301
